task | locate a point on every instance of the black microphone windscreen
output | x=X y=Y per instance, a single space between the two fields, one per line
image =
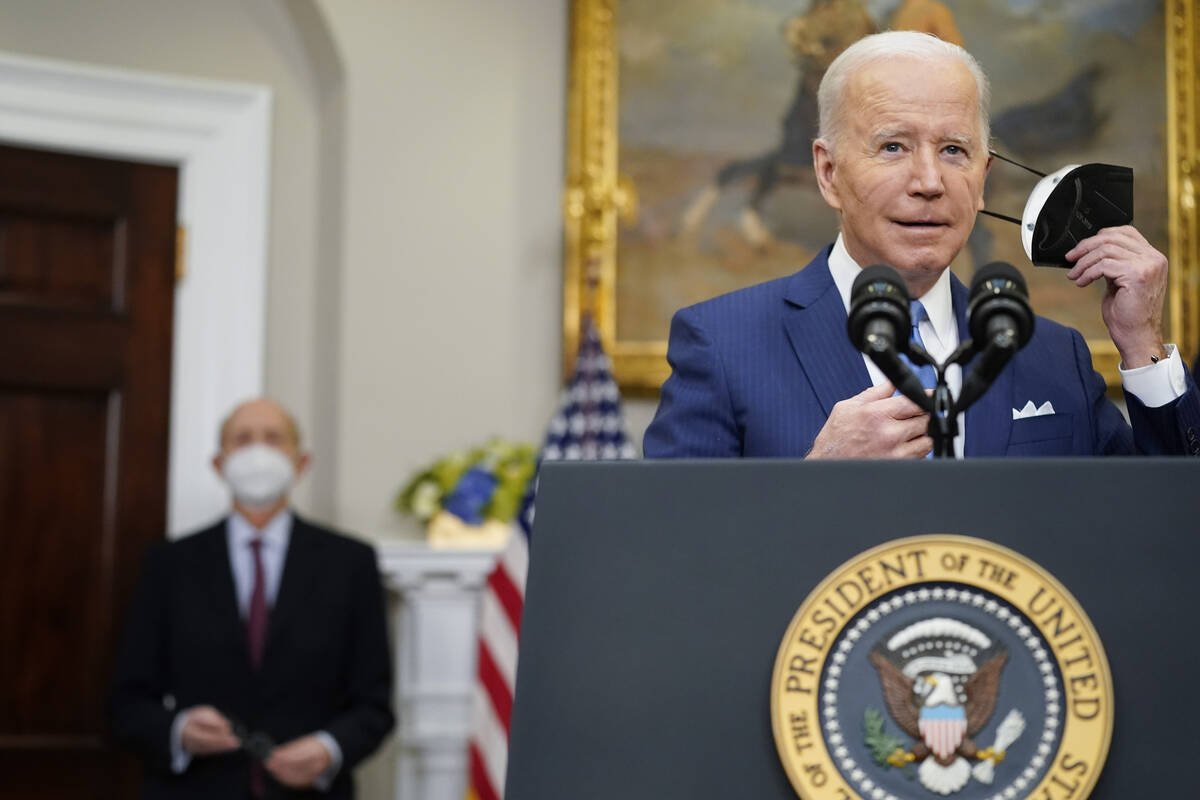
x=1002 y=270
x=879 y=273
x=878 y=296
x=999 y=293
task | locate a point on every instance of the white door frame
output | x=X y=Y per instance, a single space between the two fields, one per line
x=218 y=135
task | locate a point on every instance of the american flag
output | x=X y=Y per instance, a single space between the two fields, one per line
x=587 y=426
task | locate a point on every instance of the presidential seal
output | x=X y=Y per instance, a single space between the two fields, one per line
x=941 y=667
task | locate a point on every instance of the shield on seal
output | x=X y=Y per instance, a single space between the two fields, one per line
x=942 y=728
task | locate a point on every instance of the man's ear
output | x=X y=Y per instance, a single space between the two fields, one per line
x=824 y=167
x=303 y=461
x=218 y=461
x=987 y=169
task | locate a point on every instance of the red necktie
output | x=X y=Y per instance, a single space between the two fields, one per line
x=256 y=621
x=256 y=635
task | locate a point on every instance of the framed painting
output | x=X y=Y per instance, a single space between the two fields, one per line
x=689 y=157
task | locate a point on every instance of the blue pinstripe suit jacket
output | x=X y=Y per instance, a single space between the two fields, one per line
x=756 y=372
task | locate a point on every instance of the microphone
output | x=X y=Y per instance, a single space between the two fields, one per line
x=1000 y=322
x=879 y=315
x=998 y=309
x=879 y=323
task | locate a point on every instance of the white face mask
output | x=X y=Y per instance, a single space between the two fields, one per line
x=259 y=475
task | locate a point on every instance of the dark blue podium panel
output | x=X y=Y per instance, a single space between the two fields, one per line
x=659 y=592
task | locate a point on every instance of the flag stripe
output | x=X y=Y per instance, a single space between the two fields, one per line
x=481 y=786
x=490 y=740
x=501 y=587
x=494 y=684
x=515 y=559
x=496 y=632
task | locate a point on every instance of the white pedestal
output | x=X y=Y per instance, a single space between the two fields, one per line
x=436 y=617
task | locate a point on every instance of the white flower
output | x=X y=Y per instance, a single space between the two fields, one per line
x=425 y=499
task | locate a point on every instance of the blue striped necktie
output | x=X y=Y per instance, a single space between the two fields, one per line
x=925 y=372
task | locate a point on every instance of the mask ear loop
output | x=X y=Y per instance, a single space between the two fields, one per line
x=1005 y=217
x=1017 y=164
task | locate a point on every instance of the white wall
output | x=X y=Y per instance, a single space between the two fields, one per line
x=415 y=257
x=452 y=254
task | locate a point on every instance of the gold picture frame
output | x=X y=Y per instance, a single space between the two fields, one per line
x=596 y=197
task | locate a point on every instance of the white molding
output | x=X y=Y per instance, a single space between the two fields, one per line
x=409 y=563
x=218 y=134
x=436 y=618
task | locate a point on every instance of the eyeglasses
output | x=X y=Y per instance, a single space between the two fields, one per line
x=255 y=744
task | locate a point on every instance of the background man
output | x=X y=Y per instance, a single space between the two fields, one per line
x=263 y=625
x=902 y=156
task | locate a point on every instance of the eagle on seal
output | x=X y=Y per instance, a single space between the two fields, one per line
x=929 y=709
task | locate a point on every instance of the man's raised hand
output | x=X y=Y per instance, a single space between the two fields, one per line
x=874 y=424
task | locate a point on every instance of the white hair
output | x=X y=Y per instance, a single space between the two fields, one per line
x=882 y=46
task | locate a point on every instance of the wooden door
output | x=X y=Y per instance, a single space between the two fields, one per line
x=87 y=253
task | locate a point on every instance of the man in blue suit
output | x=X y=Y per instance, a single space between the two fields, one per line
x=902 y=156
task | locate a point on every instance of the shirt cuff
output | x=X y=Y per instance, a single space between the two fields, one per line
x=180 y=758
x=1158 y=384
x=325 y=779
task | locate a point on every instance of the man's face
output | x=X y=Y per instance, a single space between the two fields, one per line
x=907 y=172
x=260 y=422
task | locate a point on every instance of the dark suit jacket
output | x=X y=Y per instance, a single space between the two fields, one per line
x=756 y=373
x=326 y=664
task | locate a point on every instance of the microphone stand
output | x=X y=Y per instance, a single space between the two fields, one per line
x=942 y=407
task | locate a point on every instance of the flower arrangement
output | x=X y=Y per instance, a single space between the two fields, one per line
x=470 y=497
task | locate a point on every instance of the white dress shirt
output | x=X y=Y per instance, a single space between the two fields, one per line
x=1154 y=384
x=275 y=535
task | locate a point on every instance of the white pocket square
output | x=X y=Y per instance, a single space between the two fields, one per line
x=1043 y=410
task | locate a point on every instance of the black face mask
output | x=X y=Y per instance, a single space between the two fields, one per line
x=1070 y=205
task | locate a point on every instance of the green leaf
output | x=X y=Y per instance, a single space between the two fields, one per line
x=880 y=743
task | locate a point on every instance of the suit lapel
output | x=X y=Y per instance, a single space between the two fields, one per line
x=218 y=582
x=300 y=570
x=989 y=419
x=815 y=321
